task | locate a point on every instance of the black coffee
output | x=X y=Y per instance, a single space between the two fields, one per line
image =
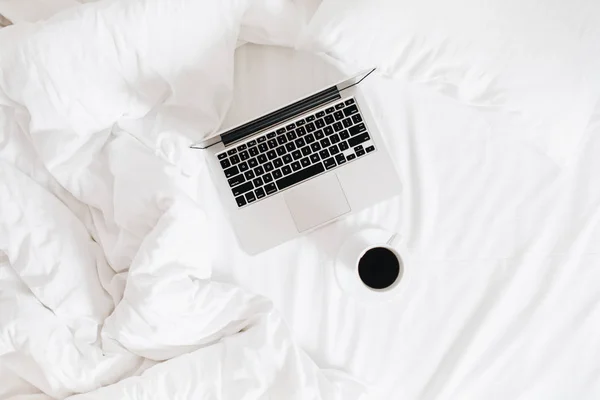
x=378 y=268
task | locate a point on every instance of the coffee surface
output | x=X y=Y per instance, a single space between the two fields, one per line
x=378 y=268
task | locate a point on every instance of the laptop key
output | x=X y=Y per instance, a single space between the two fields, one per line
x=260 y=193
x=233 y=171
x=270 y=188
x=277 y=174
x=325 y=142
x=249 y=175
x=253 y=151
x=315 y=146
x=287 y=158
x=351 y=157
x=268 y=167
x=306 y=151
x=319 y=134
x=300 y=142
x=324 y=154
x=241 y=201
x=290 y=146
x=281 y=151
x=296 y=165
x=297 y=154
x=271 y=154
x=347 y=122
x=319 y=123
x=300 y=122
x=252 y=143
x=328 y=130
x=234 y=159
x=360 y=153
x=222 y=156
x=338 y=126
x=252 y=162
x=271 y=135
x=300 y=176
x=349 y=101
x=329 y=119
x=309 y=138
x=363 y=137
x=286 y=170
x=225 y=164
x=314 y=158
x=334 y=138
x=250 y=197
x=281 y=139
x=339 y=106
x=263 y=147
x=343 y=146
x=344 y=134
x=338 y=115
x=329 y=110
x=280 y=131
x=329 y=163
x=232 y=152
x=262 y=159
x=244 y=155
x=310 y=118
x=259 y=171
x=267 y=178
x=334 y=150
x=241 y=189
x=290 y=127
x=356 y=118
x=357 y=129
x=301 y=131
x=243 y=166
x=305 y=162
x=258 y=182
x=350 y=110
x=310 y=127
x=291 y=135
x=242 y=147
x=262 y=139
x=278 y=163
x=370 y=149
x=272 y=143
x=340 y=159
x=320 y=114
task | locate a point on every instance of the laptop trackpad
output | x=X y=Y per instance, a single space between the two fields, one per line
x=317 y=201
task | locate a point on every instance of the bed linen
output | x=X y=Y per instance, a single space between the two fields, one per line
x=499 y=299
x=500 y=295
x=534 y=58
x=106 y=251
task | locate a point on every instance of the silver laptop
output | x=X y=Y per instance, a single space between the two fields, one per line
x=300 y=167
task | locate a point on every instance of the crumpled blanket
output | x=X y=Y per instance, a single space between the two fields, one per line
x=105 y=248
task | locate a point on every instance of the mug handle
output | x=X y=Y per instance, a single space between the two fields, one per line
x=393 y=240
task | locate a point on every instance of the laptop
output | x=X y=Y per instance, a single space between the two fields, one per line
x=301 y=166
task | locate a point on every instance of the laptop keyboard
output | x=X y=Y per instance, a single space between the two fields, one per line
x=295 y=152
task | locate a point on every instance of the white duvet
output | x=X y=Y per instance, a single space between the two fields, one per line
x=105 y=249
x=114 y=254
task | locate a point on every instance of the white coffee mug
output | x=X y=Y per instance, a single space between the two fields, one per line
x=350 y=254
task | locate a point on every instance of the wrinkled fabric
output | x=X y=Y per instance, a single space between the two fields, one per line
x=106 y=249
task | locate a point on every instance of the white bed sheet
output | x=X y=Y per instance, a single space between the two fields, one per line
x=500 y=295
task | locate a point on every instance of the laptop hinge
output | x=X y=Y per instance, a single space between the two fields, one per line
x=280 y=115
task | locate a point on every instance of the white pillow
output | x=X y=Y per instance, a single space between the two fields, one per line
x=536 y=61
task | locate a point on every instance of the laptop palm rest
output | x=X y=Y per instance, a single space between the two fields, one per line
x=317 y=201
